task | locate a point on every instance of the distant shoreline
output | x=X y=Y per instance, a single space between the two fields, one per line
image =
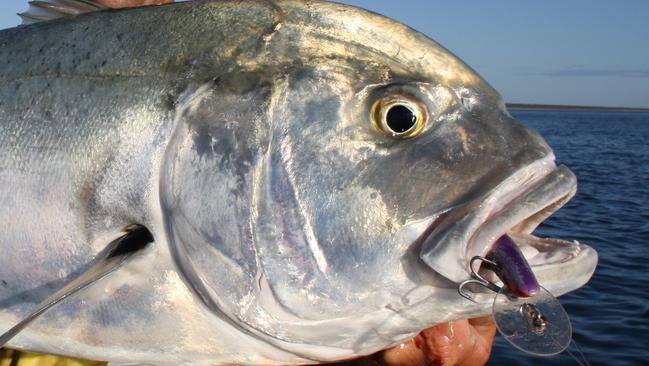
x=557 y=107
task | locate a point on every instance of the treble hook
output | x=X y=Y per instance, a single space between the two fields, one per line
x=478 y=279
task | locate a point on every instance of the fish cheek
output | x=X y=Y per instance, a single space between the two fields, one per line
x=344 y=225
x=206 y=186
x=427 y=175
x=246 y=192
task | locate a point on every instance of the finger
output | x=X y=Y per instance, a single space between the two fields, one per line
x=406 y=354
x=484 y=331
x=446 y=344
x=485 y=327
x=462 y=342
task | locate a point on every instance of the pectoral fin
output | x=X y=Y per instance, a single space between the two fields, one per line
x=111 y=258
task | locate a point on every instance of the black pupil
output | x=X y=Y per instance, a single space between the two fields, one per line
x=400 y=119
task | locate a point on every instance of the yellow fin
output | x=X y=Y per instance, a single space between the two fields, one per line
x=9 y=357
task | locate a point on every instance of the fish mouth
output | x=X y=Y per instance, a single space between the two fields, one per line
x=515 y=207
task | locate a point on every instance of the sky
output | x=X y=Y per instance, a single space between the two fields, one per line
x=578 y=52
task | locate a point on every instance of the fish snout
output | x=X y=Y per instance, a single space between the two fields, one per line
x=517 y=205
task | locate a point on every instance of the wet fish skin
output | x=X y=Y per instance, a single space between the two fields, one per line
x=88 y=106
x=239 y=134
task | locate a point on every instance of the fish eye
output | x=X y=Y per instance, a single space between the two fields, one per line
x=398 y=117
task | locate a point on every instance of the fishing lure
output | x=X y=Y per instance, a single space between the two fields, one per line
x=527 y=315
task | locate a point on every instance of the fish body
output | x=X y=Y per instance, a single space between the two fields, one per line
x=298 y=217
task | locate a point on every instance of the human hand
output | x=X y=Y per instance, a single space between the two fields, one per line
x=466 y=342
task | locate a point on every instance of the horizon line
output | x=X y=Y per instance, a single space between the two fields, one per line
x=574 y=107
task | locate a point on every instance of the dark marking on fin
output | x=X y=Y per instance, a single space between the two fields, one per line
x=44 y=10
x=136 y=238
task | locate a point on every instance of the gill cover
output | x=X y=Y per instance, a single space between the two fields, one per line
x=207 y=186
x=262 y=231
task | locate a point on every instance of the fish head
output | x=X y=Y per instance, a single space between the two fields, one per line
x=327 y=194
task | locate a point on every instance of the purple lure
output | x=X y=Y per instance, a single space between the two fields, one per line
x=513 y=269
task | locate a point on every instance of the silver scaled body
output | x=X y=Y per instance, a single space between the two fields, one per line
x=288 y=228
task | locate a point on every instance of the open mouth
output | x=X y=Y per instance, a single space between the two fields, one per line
x=514 y=208
x=524 y=213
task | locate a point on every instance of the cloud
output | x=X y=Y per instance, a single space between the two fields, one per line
x=594 y=72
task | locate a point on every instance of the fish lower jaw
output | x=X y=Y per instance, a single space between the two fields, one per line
x=560 y=266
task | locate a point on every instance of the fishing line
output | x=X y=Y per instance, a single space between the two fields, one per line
x=581 y=355
x=580 y=358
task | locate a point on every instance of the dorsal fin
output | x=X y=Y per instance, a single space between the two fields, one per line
x=43 y=10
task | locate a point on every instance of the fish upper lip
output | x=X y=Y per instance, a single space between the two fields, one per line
x=518 y=204
x=525 y=212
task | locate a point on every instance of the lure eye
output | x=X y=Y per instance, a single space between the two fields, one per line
x=398 y=117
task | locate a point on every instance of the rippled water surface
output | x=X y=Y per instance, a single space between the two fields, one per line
x=609 y=153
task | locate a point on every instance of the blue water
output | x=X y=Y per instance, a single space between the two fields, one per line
x=609 y=153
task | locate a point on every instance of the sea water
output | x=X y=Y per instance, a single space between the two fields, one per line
x=609 y=153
